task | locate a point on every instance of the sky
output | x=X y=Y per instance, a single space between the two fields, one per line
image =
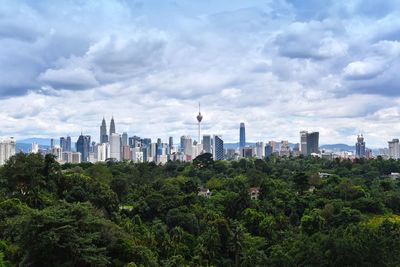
x=280 y=66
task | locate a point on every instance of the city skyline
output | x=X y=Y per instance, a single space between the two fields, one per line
x=279 y=66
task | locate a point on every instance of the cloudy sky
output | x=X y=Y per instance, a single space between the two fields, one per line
x=280 y=66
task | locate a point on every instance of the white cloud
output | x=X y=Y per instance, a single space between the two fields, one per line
x=280 y=66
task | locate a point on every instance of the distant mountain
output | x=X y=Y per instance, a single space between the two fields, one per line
x=40 y=141
x=338 y=147
x=20 y=147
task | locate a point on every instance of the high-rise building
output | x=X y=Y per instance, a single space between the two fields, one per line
x=83 y=146
x=242 y=135
x=218 y=150
x=171 y=143
x=115 y=146
x=71 y=157
x=52 y=142
x=126 y=152
x=303 y=142
x=309 y=142
x=57 y=152
x=7 y=150
x=360 y=147
x=124 y=139
x=112 y=127
x=103 y=132
x=102 y=152
x=260 y=150
x=207 y=146
x=187 y=147
x=69 y=144
x=35 y=147
x=135 y=141
x=268 y=150
x=394 y=150
x=63 y=143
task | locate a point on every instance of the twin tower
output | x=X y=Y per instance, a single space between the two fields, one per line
x=103 y=130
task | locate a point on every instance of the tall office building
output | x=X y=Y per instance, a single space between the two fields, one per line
x=103 y=132
x=112 y=127
x=7 y=150
x=360 y=147
x=187 y=147
x=135 y=141
x=35 y=147
x=115 y=146
x=268 y=150
x=218 y=150
x=242 y=135
x=124 y=139
x=69 y=144
x=83 y=146
x=63 y=143
x=52 y=142
x=102 y=151
x=260 y=150
x=171 y=143
x=303 y=143
x=207 y=146
x=309 y=142
x=394 y=150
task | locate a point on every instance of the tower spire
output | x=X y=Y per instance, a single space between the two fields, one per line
x=199 y=119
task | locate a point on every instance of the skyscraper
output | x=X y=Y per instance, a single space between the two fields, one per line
x=83 y=146
x=260 y=150
x=218 y=151
x=112 y=127
x=394 y=150
x=63 y=143
x=69 y=144
x=268 y=150
x=171 y=142
x=52 y=143
x=242 y=137
x=360 y=147
x=313 y=142
x=124 y=139
x=207 y=143
x=7 y=150
x=115 y=146
x=103 y=132
x=187 y=147
x=309 y=143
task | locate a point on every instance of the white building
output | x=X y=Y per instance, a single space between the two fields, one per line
x=71 y=157
x=35 y=148
x=115 y=147
x=187 y=147
x=136 y=155
x=394 y=151
x=7 y=150
x=260 y=150
x=102 y=152
x=56 y=150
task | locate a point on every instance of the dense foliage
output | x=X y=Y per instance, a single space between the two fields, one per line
x=309 y=212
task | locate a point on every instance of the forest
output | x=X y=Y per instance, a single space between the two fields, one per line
x=277 y=211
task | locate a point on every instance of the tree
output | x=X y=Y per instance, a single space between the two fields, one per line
x=64 y=235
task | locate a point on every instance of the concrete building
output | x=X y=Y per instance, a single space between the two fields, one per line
x=394 y=151
x=260 y=150
x=35 y=147
x=115 y=146
x=218 y=149
x=7 y=150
